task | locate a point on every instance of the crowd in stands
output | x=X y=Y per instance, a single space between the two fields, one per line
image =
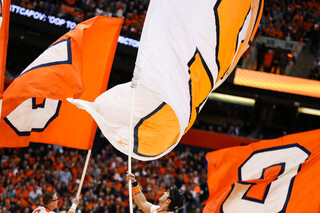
x=284 y=19
x=293 y=20
x=134 y=11
x=226 y=118
x=290 y=19
x=27 y=173
x=315 y=72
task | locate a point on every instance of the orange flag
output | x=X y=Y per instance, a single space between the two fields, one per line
x=279 y=175
x=4 y=32
x=76 y=65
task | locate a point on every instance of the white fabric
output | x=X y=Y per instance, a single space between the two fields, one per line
x=41 y=209
x=173 y=31
x=55 y=53
x=154 y=208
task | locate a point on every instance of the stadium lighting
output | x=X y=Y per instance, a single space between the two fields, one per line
x=232 y=99
x=309 y=111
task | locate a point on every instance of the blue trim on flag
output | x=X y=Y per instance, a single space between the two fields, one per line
x=136 y=132
x=1 y=8
x=216 y=16
x=206 y=68
x=255 y=22
x=35 y=106
x=245 y=197
x=68 y=61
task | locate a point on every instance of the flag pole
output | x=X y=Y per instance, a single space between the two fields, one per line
x=74 y=206
x=4 y=37
x=130 y=148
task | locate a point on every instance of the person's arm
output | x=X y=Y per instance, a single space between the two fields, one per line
x=75 y=203
x=138 y=196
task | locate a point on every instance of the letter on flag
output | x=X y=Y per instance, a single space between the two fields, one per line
x=4 y=33
x=187 y=49
x=76 y=65
x=279 y=175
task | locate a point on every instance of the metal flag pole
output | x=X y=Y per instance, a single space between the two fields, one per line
x=130 y=148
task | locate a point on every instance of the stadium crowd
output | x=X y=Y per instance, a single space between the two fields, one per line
x=284 y=19
x=27 y=173
x=291 y=20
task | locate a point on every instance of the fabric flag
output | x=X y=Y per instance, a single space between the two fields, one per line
x=4 y=33
x=76 y=65
x=279 y=175
x=187 y=49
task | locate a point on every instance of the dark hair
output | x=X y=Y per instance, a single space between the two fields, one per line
x=47 y=197
x=176 y=197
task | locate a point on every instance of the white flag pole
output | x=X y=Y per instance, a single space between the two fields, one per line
x=130 y=148
x=74 y=206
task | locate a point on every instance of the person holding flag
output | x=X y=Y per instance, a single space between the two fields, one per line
x=169 y=202
x=50 y=201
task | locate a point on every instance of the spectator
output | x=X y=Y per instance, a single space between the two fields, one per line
x=276 y=60
x=267 y=61
x=315 y=71
x=35 y=194
x=261 y=51
x=65 y=176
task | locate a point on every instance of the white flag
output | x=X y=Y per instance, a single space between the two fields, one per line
x=187 y=49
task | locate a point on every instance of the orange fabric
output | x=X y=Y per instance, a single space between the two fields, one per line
x=24 y=203
x=67 y=9
x=33 y=206
x=4 y=35
x=30 y=188
x=160 y=192
x=118 y=186
x=267 y=59
x=16 y=179
x=167 y=122
x=71 y=1
x=60 y=203
x=136 y=190
x=29 y=173
x=49 y=188
x=162 y=170
x=17 y=160
x=270 y=31
x=90 y=51
x=157 y=209
x=88 y=179
x=25 y=195
x=121 y=169
x=185 y=177
x=197 y=189
x=18 y=191
x=229 y=27
x=307 y=25
x=2 y=190
x=201 y=85
x=241 y=177
x=59 y=166
x=31 y=160
x=279 y=33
